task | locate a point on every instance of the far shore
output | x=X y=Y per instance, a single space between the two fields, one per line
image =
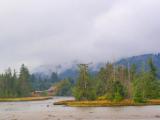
x=106 y=103
x=25 y=99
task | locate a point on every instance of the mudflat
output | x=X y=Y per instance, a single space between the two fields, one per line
x=45 y=110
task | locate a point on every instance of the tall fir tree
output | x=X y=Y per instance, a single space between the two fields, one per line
x=84 y=89
x=24 y=82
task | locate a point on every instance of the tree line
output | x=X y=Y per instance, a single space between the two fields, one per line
x=13 y=85
x=22 y=84
x=117 y=82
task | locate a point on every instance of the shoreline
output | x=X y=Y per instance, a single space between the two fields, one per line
x=24 y=99
x=105 y=103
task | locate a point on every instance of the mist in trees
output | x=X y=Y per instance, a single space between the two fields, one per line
x=42 y=82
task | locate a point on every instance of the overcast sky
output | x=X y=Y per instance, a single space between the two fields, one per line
x=37 y=32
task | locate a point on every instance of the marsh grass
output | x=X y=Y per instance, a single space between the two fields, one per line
x=106 y=103
x=24 y=99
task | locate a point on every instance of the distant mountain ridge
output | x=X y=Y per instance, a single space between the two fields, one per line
x=71 y=71
x=142 y=61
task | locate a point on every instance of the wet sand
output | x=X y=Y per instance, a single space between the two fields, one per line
x=45 y=110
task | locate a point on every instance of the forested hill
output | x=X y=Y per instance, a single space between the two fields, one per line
x=141 y=61
x=47 y=79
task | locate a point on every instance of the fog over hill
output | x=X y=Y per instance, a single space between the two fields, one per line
x=53 y=32
x=70 y=70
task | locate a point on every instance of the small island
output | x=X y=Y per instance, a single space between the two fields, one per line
x=116 y=85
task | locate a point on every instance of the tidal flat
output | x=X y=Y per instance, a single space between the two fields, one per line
x=45 y=110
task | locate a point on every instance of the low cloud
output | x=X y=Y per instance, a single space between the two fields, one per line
x=37 y=32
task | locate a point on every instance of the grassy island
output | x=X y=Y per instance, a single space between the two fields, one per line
x=116 y=85
x=105 y=103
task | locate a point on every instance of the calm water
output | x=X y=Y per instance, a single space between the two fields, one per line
x=45 y=110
